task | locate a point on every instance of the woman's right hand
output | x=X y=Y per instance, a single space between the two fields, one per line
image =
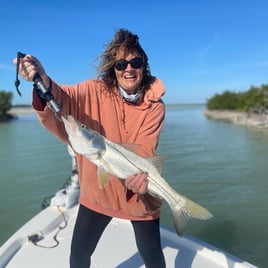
x=29 y=66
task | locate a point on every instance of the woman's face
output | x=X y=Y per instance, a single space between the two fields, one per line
x=130 y=78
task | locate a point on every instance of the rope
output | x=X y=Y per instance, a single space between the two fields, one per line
x=35 y=238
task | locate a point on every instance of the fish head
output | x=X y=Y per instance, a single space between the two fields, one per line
x=83 y=140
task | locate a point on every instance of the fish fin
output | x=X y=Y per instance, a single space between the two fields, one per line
x=103 y=177
x=181 y=215
x=103 y=173
x=157 y=161
x=180 y=219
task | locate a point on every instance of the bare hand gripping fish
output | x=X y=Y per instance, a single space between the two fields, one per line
x=115 y=159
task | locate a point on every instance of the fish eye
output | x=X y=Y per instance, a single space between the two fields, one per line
x=83 y=126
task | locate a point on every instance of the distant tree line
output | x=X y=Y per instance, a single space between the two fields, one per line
x=5 y=104
x=253 y=100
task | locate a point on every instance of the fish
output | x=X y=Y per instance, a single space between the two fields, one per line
x=120 y=161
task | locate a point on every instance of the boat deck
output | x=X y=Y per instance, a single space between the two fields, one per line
x=116 y=248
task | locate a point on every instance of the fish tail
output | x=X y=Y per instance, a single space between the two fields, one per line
x=182 y=214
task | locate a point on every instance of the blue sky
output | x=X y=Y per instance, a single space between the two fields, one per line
x=198 y=48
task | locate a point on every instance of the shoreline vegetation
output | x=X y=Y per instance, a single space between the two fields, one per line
x=248 y=108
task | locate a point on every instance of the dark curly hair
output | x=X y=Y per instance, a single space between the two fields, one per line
x=129 y=43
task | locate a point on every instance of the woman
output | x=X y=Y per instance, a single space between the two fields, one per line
x=125 y=106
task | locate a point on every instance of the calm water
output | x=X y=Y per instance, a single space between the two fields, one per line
x=222 y=166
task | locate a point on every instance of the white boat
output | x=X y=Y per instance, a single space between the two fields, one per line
x=45 y=241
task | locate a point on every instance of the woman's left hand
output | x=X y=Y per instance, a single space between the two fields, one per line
x=137 y=183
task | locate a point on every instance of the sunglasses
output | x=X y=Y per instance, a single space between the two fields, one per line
x=135 y=63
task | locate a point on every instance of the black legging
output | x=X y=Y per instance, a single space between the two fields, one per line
x=89 y=227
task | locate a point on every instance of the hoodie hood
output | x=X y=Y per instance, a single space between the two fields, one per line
x=156 y=91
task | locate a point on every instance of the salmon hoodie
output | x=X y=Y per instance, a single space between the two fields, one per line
x=121 y=122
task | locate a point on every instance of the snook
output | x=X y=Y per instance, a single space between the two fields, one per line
x=115 y=159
